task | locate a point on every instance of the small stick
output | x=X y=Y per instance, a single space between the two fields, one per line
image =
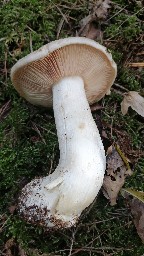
x=136 y=64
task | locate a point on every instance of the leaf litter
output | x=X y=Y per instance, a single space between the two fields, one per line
x=13 y=248
x=117 y=170
x=136 y=203
x=121 y=157
x=135 y=101
x=98 y=11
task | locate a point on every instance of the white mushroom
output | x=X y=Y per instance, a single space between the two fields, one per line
x=70 y=73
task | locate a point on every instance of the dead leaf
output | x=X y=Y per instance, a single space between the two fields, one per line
x=21 y=251
x=12 y=208
x=125 y=143
x=101 y=9
x=116 y=172
x=137 y=194
x=137 y=209
x=135 y=101
x=98 y=11
x=93 y=33
x=8 y=246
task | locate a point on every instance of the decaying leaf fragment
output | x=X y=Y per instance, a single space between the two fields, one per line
x=92 y=32
x=137 y=209
x=135 y=101
x=98 y=10
x=116 y=172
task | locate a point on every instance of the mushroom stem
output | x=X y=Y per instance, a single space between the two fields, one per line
x=78 y=178
x=82 y=157
x=79 y=140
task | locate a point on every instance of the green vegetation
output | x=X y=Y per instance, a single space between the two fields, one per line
x=28 y=141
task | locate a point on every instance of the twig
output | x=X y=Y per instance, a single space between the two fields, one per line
x=5 y=67
x=136 y=64
x=117 y=13
x=93 y=249
x=71 y=7
x=117 y=91
x=52 y=160
x=60 y=27
x=72 y=242
x=39 y=133
x=121 y=87
x=140 y=53
x=31 y=48
x=30 y=29
x=64 y=16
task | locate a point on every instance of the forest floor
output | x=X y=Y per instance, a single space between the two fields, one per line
x=28 y=140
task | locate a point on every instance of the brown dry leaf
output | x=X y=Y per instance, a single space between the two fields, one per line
x=135 y=101
x=11 y=246
x=125 y=143
x=12 y=208
x=8 y=245
x=116 y=172
x=101 y=8
x=21 y=251
x=93 y=33
x=98 y=11
x=137 y=209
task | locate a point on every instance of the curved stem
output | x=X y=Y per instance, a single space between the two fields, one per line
x=58 y=199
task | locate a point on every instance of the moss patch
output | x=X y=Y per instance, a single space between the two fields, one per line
x=28 y=141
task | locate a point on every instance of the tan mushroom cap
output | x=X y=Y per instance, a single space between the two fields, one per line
x=34 y=75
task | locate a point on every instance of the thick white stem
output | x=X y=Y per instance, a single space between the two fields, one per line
x=79 y=175
x=78 y=136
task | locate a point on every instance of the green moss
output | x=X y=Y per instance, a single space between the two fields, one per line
x=28 y=141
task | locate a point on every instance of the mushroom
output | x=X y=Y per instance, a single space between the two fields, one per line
x=67 y=73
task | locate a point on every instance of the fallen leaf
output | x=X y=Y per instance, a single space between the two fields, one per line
x=137 y=194
x=8 y=246
x=101 y=9
x=93 y=33
x=125 y=143
x=117 y=170
x=21 y=251
x=137 y=209
x=12 y=208
x=98 y=11
x=135 y=101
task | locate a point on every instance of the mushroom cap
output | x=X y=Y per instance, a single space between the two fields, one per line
x=34 y=75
